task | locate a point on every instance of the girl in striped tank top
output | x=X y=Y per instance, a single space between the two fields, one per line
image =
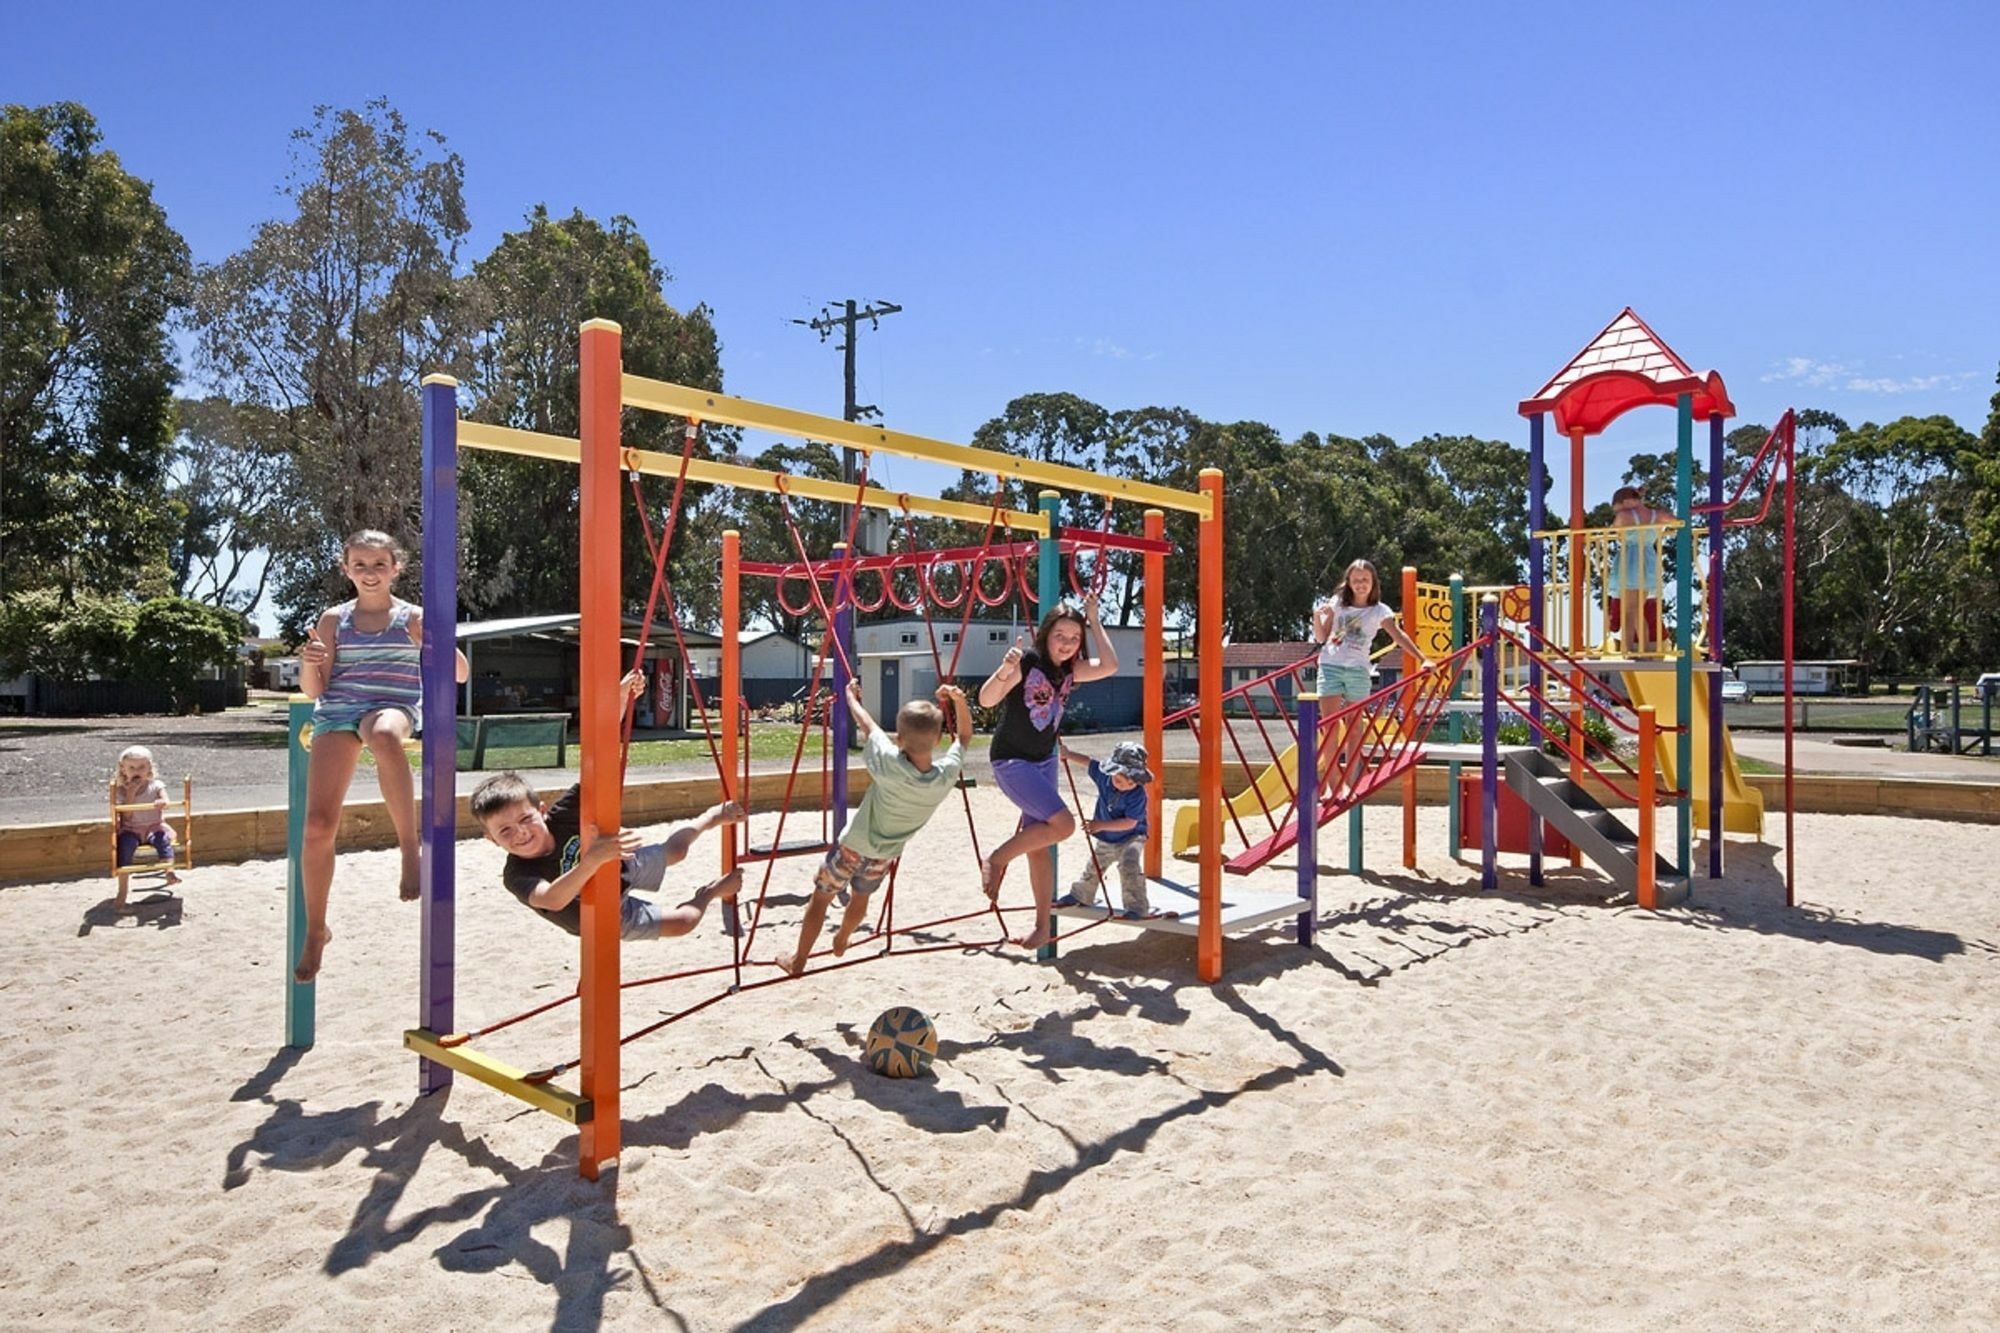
x=360 y=664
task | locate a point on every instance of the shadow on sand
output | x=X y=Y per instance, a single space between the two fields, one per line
x=160 y=909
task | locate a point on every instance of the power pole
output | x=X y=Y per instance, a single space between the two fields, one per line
x=846 y=320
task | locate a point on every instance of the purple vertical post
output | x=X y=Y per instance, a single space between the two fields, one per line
x=438 y=814
x=1489 y=727
x=1538 y=515
x=842 y=726
x=1308 y=814
x=1715 y=646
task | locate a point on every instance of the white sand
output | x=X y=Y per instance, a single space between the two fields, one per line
x=1463 y=1111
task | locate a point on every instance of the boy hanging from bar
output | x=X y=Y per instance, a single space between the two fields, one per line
x=548 y=863
x=907 y=781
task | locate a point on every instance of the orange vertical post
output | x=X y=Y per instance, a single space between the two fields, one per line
x=1646 y=892
x=600 y=399
x=1409 y=708
x=731 y=671
x=1208 y=948
x=727 y=703
x=1155 y=688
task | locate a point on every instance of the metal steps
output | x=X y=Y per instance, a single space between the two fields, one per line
x=1599 y=834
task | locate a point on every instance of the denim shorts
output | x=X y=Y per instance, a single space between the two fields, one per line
x=639 y=918
x=1343 y=682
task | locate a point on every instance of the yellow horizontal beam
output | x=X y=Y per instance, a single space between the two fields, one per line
x=558 y=1102
x=680 y=400
x=560 y=448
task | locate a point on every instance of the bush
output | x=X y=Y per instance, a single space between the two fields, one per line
x=88 y=636
x=1603 y=739
x=174 y=639
x=168 y=639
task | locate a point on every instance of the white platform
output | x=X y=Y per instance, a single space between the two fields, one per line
x=1241 y=910
x=1467 y=753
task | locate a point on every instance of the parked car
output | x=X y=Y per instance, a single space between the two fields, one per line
x=1734 y=691
x=1990 y=682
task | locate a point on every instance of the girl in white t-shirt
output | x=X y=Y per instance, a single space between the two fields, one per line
x=1344 y=626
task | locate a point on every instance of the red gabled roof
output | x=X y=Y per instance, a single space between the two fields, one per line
x=1266 y=655
x=1625 y=366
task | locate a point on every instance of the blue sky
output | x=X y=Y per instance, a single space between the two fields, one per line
x=1340 y=218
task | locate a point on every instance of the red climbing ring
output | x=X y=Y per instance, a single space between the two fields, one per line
x=929 y=575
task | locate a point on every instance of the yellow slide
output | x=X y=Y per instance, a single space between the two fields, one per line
x=1742 y=804
x=1274 y=784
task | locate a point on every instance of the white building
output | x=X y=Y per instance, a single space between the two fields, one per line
x=766 y=654
x=895 y=662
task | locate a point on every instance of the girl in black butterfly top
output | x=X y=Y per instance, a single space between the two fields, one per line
x=1030 y=689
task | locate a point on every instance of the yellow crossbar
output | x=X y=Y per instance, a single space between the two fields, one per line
x=560 y=448
x=680 y=400
x=558 y=1102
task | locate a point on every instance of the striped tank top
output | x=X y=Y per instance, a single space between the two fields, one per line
x=371 y=671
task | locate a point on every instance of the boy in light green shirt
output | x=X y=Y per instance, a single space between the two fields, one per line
x=907 y=783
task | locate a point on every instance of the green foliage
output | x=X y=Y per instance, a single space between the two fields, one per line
x=92 y=273
x=174 y=638
x=1886 y=564
x=1982 y=462
x=328 y=320
x=1601 y=737
x=65 y=639
x=1295 y=512
x=521 y=515
x=232 y=480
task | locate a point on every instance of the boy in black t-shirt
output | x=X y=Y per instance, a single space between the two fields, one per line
x=548 y=864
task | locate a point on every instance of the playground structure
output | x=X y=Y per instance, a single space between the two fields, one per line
x=1936 y=720
x=1551 y=658
x=147 y=863
x=1534 y=656
x=605 y=391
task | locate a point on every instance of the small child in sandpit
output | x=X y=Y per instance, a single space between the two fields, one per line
x=136 y=784
x=908 y=780
x=1117 y=830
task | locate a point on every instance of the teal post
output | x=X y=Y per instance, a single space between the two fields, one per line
x=1684 y=633
x=1455 y=727
x=1354 y=858
x=1048 y=587
x=298 y=994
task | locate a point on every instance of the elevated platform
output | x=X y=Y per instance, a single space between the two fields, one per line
x=1241 y=910
x=1469 y=752
x=1598 y=665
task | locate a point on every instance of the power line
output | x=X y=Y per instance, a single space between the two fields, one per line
x=846 y=320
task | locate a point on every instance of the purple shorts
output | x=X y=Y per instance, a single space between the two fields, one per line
x=1031 y=784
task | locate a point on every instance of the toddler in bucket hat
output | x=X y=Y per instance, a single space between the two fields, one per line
x=1117 y=830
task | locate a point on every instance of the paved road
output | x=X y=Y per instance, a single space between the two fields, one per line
x=1823 y=754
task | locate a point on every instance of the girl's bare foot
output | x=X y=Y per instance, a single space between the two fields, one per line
x=172 y=879
x=1034 y=940
x=316 y=942
x=792 y=966
x=841 y=938
x=991 y=872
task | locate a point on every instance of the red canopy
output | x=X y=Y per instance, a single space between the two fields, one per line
x=1625 y=366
